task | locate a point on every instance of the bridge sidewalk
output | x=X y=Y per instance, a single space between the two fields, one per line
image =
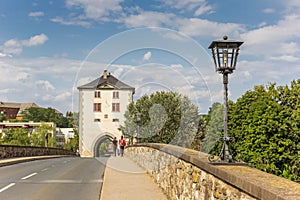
x=123 y=179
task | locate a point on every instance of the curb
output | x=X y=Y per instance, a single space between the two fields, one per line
x=11 y=161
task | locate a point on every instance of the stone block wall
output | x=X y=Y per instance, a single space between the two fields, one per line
x=184 y=174
x=10 y=151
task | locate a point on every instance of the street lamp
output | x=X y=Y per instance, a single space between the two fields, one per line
x=225 y=53
x=138 y=120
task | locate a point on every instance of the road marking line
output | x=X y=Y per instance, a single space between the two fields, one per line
x=45 y=169
x=6 y=187
x=30 y=175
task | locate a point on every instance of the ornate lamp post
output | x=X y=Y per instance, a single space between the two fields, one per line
x=225 y=53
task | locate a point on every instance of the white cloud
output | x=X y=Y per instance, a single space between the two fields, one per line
x=247 y=74
x=178 y=66
x=15 y=47
x=54 y=89
x=45 y=84
x=147 y=56
x=45 y=97
x=268 y=10
x=6 y=91
x=96 y=9
x=205 y=28
x=22 y=76
x=8 y=71
x=71 y=22
x=148 y=19
x=292 y=6
x=287 y=58
x=274 y=40
x=36 y=14
x=184 y=4
x=12 y=46
x=112 y=10
x=63 y=96
x=190 y=26
x=199 y=7
x=175 y=36
x=204 y=8
x=262 y=24
x=291 y=48
x=2 y=55
x=35 y=40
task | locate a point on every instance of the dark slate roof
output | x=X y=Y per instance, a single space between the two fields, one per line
x=112 y=81
x=17 y=105
x=20 y=106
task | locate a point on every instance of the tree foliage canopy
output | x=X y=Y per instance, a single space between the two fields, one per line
x=265 y=123
x=213 y=129
x=18 y=136
x=165 y=117
x=42 y=137
x=38 y=114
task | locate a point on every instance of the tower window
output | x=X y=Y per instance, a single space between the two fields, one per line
x=97 y=107
x=97 y=94
x=116 y=107
x=115 y=95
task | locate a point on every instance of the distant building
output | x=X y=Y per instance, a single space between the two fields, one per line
x=68 y=133
x=30 y=126
x=14 y=110
x=102 y=105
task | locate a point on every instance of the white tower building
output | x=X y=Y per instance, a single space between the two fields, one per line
x=102 y=105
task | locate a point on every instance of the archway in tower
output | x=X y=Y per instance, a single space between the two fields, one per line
x=103 y=146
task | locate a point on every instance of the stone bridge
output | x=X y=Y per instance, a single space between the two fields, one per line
x=186 y=174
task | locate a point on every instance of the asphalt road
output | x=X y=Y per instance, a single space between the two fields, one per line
x=53 y=179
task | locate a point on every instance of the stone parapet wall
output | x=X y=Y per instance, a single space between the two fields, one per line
x=10 y=151
x=184 y=174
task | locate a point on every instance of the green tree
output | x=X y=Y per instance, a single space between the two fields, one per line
x=214 y=129
x=17 y=136
x=38 y=114
x=197 y=143
x=43 y=137
x=2 y=117
x=129 y=127
x=166 y=117
x=73 y=145
x=103 y=147
x=289 y=98
x=72 y=119
x=265 y=125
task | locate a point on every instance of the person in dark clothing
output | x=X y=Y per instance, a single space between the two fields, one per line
x=115 y=145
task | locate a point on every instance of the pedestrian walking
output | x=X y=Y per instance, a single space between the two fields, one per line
x=115 y=145
x=122 y=144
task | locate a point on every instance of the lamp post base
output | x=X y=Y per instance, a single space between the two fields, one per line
x=216 y=160
x=233 y=163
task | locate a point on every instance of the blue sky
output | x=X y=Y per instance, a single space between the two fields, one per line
x=48 y=48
